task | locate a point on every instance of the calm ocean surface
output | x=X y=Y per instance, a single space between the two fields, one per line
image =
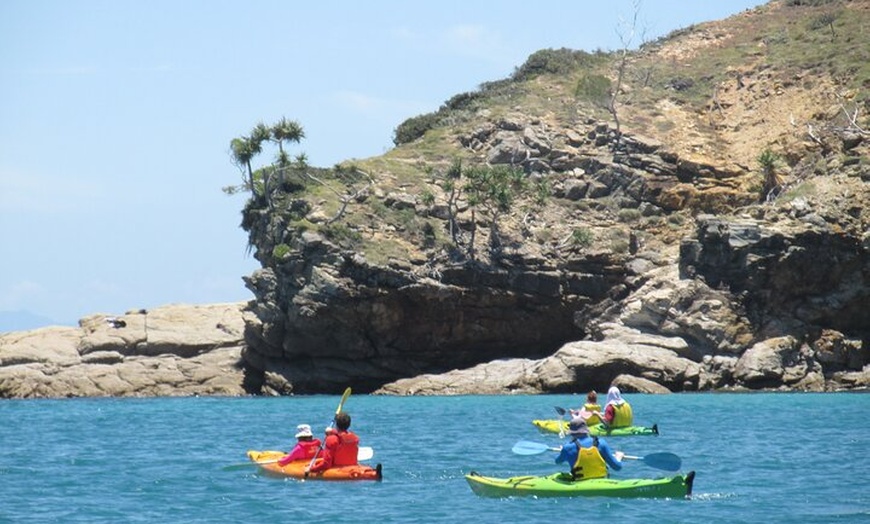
x=759 y=458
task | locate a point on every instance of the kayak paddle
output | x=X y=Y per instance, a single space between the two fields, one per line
x=331 y=424
x=664 y=461
x=561 y=412
x=526 y=447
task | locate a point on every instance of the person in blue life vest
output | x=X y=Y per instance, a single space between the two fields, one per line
x=589 y=457
x=617 y=411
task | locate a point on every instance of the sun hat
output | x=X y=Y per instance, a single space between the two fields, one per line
x=304 y=430
x=614 y=396
x=577 y=427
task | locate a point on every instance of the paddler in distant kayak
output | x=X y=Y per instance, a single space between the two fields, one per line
x=591 y=410
x=306 y=446
x=341 y=446
x=617 y=411
x=588 y=456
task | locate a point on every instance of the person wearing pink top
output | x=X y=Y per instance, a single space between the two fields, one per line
x=306 y=446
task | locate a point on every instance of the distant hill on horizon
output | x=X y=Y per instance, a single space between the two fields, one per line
x=22 y=320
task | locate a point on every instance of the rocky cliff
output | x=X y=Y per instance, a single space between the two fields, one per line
x=667 y=255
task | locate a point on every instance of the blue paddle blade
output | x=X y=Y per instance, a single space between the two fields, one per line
x=525 y=447
x=664 y=461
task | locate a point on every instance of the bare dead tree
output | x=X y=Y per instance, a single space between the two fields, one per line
x=626 y=35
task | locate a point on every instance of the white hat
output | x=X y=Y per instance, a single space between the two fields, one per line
x=304 y=430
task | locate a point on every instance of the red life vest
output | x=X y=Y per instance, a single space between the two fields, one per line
x=345 y=454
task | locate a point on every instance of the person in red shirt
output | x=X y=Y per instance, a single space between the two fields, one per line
x=306 y=446
x=341 y=446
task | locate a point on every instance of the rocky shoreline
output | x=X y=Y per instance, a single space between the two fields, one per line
x=175 y=350
x=189 y=350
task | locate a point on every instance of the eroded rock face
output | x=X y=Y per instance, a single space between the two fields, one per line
x=594 y=365
x=341 y=320
x=796 y=274
x=173 y=350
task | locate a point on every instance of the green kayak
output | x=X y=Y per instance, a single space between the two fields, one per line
x=562 y=485
x=598 y=430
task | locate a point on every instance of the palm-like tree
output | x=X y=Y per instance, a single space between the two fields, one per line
x=286 y=130
x=245 y=148
x=243 y=153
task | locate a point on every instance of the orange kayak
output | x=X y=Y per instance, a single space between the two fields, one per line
x=268 y=461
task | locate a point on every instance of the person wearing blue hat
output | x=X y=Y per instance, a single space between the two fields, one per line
x=589 y=457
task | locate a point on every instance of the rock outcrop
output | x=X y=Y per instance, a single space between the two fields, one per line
x=175 y=350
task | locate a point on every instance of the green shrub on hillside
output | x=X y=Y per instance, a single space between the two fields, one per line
x=414 y=127
x=594 y=88
x=809 y=3
x=553 y=61
x=280 y=251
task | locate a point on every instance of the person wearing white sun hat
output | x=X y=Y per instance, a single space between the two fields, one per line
x=617 y=411
x=306 y=446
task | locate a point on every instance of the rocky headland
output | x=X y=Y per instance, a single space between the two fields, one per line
x=716 y=236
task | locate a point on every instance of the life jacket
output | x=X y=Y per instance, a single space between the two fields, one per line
x=309 y=448
x=303 y=450
x=348 y=449
x=589 y=464
x=594 y=409
x=622 y=416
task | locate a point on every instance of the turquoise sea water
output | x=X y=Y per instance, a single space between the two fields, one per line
x=759 y=458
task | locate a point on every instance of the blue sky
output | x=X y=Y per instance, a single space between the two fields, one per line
x=116 y=116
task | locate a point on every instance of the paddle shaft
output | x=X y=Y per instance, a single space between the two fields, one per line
x=331 y=424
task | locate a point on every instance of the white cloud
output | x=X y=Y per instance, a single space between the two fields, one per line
x=154 y=68
x=475 y=41
x=374 y=106
x=72 y=70
x=404 y=33
x=28 y=193
x=22 y=295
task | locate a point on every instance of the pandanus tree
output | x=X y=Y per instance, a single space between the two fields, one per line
x=245 y=148
x=286 y=131
x=492 y=190
x=243 y=153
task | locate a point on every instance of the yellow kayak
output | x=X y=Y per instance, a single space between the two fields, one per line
x=597 y=430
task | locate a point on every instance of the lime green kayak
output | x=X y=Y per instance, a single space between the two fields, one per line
x=598 y=430
x=562 y=485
